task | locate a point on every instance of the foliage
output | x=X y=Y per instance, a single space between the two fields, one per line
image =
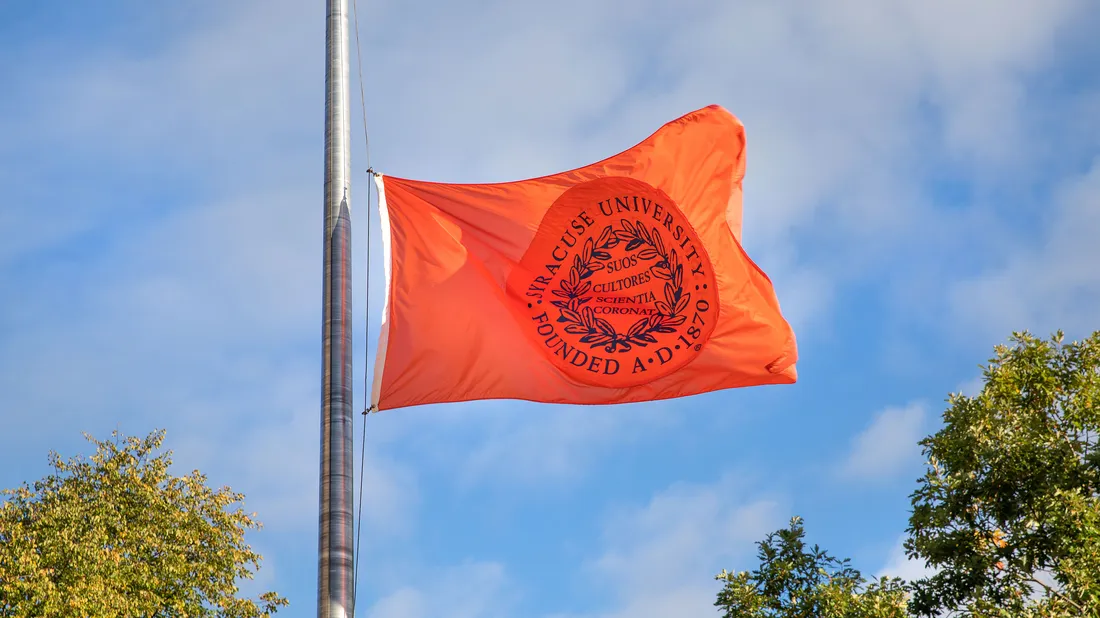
x=794 y=581
x=118 y=535
x=1009 y=508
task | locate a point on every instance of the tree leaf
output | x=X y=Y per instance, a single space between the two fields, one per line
x=116 y=534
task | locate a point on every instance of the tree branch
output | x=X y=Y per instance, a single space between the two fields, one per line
x=1053 y=592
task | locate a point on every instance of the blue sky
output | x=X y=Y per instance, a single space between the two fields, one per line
x=923 y=178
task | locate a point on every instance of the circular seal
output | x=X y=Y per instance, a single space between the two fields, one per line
x=616 y=286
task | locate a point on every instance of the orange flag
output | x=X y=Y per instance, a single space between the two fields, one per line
x=620 y=281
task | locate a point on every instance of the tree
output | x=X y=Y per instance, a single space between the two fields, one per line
x=1009 y=508
x=118 y=535
x=794 y=581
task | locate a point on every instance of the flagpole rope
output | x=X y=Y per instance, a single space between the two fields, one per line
x=368 y=407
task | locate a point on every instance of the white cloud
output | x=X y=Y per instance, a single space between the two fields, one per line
x=689 y=599
x=188 y=326
x=469 y=590
x=661 y=559
x=900 y=565
x=276 y=465
x=196 y=326
x=1048 y=280
x=227 y=83
x=517 y=444
x=886 y=447
x=655 y=560
x=536 y=444
x=200 y=311
x=264 y=579
x=972 y=387
x=193 y=306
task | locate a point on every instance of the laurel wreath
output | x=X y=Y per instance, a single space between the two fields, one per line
x=576 y=290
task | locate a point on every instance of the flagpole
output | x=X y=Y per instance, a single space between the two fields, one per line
x=335 y=544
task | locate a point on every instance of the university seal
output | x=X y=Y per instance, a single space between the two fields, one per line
x=616 y=286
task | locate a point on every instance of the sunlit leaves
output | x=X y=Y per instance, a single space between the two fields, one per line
x=116 y=534
x=1009 y=507
x=796 y=581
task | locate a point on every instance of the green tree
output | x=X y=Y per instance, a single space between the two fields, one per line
x=117 y=535
x=1009 y=508
x=795 y=581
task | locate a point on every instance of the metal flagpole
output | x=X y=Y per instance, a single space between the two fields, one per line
x=335 y=547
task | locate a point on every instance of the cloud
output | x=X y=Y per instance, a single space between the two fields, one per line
x=537 y=445
x=160 y=219
x=468 y=590
x=264 y=579
x=200 y=324
x=900 y=565
x=660 y=559
x=211 y=83
x=1047 y=281
x=887 y=446
x=654 y=560
x=185 y=326
x=276 y=465
x=515 y=444
x=172 y=283
x=972 y=387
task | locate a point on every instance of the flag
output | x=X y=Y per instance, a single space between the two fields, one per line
x=621 y=281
